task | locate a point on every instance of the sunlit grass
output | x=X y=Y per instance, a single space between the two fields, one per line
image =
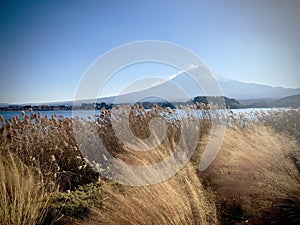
x=254 y=177
x=23 y=199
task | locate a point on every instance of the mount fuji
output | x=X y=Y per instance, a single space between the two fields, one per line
x=182 y=88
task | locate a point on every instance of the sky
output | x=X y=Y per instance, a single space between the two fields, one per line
x=46 y=46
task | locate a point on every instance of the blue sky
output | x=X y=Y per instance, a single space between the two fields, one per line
x=46 y=46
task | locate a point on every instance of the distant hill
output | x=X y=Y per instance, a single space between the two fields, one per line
x=240 y=90
x=290 y=101
x=4 y=104
x=229 y=102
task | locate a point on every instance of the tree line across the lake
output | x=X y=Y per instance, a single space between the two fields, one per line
x=231 y=103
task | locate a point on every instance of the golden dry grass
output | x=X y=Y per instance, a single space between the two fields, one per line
x=181 y=199
x=255 y=170
x=253 y=178
x=48 y=145
x=22 y=197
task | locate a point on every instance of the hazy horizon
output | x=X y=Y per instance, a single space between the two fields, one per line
x=108 y=96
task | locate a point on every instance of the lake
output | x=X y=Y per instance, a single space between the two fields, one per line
x=86 y=113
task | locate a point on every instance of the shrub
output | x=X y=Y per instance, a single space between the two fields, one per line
x=75 y=204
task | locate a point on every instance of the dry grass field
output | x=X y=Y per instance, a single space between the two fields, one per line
x=255 y=178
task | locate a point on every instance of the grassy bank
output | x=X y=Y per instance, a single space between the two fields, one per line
x=254 y=179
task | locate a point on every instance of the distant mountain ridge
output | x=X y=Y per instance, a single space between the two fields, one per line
x=241 y=90
x=189 y=89
x=183 y=88
x=290 y=101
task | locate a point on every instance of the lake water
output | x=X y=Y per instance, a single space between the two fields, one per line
x=86 y=113
x=64 y=113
